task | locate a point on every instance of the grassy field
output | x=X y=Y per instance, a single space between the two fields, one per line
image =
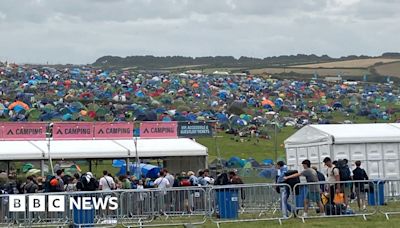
x=228 y=146
x=359 y=63
x=311 y=71
x=372 y=222
x=390 y=69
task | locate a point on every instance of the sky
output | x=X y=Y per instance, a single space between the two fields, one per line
x=80 y=31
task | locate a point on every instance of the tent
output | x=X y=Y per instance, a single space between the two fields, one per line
x=376 y=145
x=146 y=170
x=178 y=154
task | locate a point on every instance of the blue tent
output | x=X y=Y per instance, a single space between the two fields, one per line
x=236 y=162
x=147 y=170
x=268 y=173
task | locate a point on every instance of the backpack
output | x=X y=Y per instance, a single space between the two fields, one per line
x=185 y=182
x=293 y=181
x=344 y=171
x=222 y=179
x=90 y=185
x=51 y=187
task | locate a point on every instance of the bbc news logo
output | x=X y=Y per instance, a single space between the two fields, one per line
x=56 y=203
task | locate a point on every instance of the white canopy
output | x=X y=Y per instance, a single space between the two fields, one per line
x=99 y=149
x=344 y=133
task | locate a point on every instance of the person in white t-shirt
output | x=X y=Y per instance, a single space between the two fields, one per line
x=161 y=182
x=106 y=183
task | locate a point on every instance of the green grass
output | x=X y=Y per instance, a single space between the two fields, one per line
x=373 y=221
x=228 y=146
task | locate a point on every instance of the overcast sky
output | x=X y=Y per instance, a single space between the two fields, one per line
x=80 y=31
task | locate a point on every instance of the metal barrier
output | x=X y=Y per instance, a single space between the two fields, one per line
x=219 y=204
x=388 y=197
x=69 y=215
x=244 y=203
x=164 y=207
x=350 y=198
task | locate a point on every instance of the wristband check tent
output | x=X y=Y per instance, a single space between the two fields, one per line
x=177 y=154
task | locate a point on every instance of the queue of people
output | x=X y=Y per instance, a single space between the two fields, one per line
x=88 y=182
x=331 y=199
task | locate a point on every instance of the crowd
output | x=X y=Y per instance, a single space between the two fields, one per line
x=88 y=182
x=332 y=198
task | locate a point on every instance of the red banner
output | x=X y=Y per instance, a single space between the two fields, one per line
x=113 y=130
x=23 y=131
x=159 y=130
x=64 y=131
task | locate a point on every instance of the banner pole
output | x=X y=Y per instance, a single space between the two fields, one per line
x=137 y=159
x=48 y=152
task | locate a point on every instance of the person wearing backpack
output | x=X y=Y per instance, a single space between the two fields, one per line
x=332 y=175
x=360 y=174
x=345 y=174
x=87 y=183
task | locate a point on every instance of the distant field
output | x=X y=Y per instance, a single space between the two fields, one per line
x=390 y=69
x=182 y=67
x=360 y=63
x=321 y=72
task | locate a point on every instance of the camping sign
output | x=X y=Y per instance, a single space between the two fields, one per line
x=158 y=130
x=123 y=130
x=23 y=131
x=64 y=131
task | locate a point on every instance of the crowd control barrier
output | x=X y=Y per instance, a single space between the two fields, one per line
x=389 y=197
x=218 y=204
x=337 y=199
x=249 y=202
x=72 y=211
x=164 y=207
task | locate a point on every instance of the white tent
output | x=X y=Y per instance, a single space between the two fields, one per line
x=180 y=154
x=377 y=146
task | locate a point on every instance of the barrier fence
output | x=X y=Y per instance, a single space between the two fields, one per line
x=255 y=202
x=389 y=197
x=336 y=199
x=197 y=205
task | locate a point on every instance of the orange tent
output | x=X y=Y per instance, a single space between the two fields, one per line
x=18 y=103
x=267 y=102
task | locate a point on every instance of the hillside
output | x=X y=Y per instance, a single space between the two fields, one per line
x=358 y=63
x=311 y=71
x=390 y=69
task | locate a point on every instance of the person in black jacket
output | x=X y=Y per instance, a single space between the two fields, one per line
x=360 y=174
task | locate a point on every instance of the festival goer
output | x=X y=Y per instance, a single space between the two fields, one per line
x=161 y=182
x=106 y=183
x=313 y=193
x=333 y=176
x=360 y=191
x=284 y=190
x=30 y=185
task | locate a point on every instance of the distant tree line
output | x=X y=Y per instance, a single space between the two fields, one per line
x=155 y=62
